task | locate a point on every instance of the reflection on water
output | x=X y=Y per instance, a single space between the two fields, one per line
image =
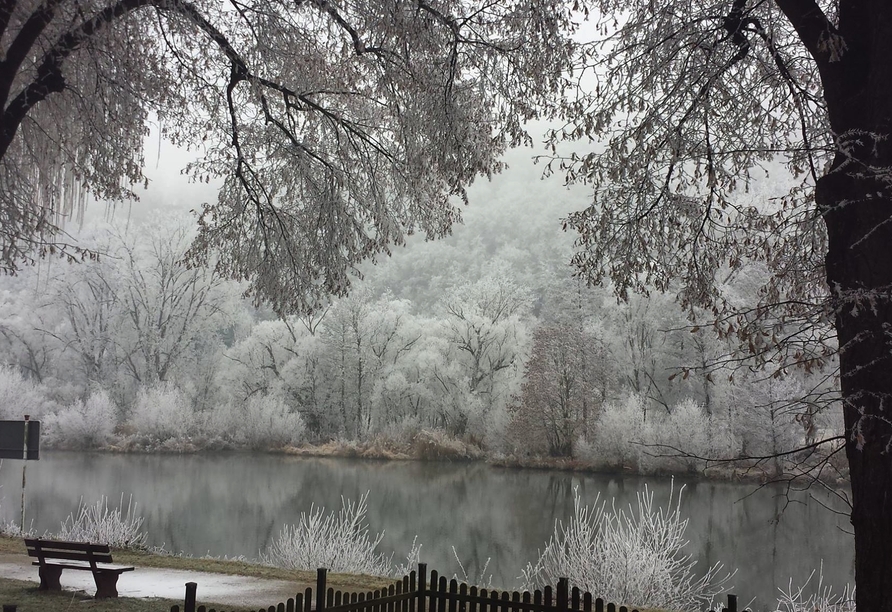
x=235 y=504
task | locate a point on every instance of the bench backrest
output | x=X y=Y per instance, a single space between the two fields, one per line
x=69 y=551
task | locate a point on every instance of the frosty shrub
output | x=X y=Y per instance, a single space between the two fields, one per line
x=162 y=412
x=118 y=527
x=268 y=422
x=88 y=424
x=822 y=599
x=619 y=427
x=20 y=396
x=628 y=557
x=413 y=558
x=339 y=542
x=674 y=439
x=260 y=422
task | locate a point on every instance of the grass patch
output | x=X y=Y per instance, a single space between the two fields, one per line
x=26 y=598
x=343 y=582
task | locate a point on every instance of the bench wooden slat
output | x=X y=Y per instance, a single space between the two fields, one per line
x=119 y=569
x=38 y=543
x=71 y=556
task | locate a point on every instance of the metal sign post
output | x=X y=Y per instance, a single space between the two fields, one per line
x=20 y=440
x=24 y=464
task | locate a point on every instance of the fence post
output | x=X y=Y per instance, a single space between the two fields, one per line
x=563 y=594
x=320 y=588
x=732 y=603
x=189 y=604
x=422 y=586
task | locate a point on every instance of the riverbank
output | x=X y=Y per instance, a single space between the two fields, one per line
x=159 y=580
x=432 y=445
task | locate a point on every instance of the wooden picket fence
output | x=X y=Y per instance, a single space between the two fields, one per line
x=414 y=593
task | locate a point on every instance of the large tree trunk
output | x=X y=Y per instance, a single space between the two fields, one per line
x=855 y=199
x=858 y=214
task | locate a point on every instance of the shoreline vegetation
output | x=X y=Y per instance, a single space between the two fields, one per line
x=434 y=446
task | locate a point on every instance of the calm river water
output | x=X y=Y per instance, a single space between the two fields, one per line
x=235 y=504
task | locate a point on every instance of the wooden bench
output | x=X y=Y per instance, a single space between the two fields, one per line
x=76 y=556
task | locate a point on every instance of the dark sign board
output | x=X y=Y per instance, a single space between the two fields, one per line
x=12 y=439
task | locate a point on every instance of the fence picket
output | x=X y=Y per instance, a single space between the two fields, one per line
x=472 y=605
x=587 y=602
x=453 y=591
x=402 y=587
x=280 y=607
x=515 y=599
x=574 y=599
x=434 y=585
x=611 y=607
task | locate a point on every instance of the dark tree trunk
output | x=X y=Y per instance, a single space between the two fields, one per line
x=855 y=199
x=859 y=270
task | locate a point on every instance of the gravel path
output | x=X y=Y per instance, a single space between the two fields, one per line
x=224 y=589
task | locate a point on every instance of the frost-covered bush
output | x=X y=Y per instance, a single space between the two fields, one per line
x=626 y=556
x=118 y=527
x=162 y=412
x=821 y=599
x=675 y=439
x=618 y=430
x=339 y=542
x=83 y=424
x=260 y=422
x=268 y=422
x=20 y=396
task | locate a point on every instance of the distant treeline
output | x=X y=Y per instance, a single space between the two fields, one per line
x=505 y=354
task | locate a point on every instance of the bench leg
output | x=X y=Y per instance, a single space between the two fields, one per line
x=49 y=577
x=106 y=584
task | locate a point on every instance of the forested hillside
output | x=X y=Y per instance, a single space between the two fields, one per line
x=483 y=340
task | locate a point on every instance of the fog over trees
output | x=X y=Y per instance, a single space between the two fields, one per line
x=484 y=338
x=338 y=130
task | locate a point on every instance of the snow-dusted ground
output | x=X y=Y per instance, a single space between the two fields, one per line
x=167 y=583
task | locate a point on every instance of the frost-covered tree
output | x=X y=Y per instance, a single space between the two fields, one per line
x=693 y=101
x=487 y=331
x=170 y=312
x=560 y=393
x=336 y=127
